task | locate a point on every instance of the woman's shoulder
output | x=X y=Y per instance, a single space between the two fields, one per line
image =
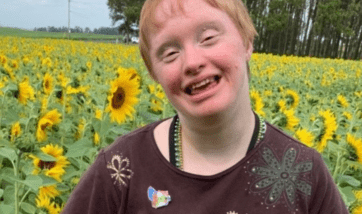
x=133 y=141
x=278 y=137
x=281 y=146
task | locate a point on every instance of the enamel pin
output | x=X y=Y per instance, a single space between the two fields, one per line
x=159 y=198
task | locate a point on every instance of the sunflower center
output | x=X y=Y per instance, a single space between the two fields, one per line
x=46 y=84
x=44 y=126
x=46 y=164
x=118 y=98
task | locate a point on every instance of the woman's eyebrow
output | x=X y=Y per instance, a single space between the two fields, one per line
x=209 y=24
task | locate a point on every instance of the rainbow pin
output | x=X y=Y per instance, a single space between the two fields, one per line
x=159 y=198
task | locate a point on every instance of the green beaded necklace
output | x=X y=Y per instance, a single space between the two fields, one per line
x=178 y=139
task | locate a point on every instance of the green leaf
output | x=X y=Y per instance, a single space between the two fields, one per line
x=9 y=194
x=11 y=87
x=10 y=117
x=8 y=153
x=45 y=157
x=6 y=209
x=96 y=124
x=106 y=125
x=4 y=143
x=347 y=195
x=66 y=126
x=32 y=181
x=46 y=181
x=79 y=148
x=27 y=168
x=119 y=130
x=28 y=207
x=7 y=174
x=62 y=187
x=349 y=180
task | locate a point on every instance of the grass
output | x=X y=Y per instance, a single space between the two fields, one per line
x=5 y=31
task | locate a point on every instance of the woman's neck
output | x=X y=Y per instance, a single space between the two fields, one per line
x=219 y=138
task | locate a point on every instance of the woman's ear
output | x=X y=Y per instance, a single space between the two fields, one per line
x=249 y=51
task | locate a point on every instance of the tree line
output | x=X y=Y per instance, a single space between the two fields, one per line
x=319 y=28
x=77 y=29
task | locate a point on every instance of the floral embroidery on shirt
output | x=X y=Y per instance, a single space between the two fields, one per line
x=281 y=177
x=119 y=166
x=231 y=212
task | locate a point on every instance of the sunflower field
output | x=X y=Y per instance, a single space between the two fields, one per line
x=62 y=101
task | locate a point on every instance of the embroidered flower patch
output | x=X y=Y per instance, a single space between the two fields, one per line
x=278 y=177
x=119 y=166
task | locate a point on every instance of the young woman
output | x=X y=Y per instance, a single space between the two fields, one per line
x=216 y=155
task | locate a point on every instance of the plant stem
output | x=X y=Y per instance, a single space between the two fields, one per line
x=22 y=199
x=16 y=185
x=275 y=120
x=336 y=169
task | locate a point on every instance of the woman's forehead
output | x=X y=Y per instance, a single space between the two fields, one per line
x=163 y=10
x=166 y=9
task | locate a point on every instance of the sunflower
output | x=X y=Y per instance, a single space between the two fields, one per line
x=128 y=71
x=80 y=129
x=44 y=103
x=63 y=80
x=47 y=61
x=282 y=105
x=1 y=86
x=292 y=120
x=358 y=195
x=342 y=101
x=347 y=115
x=156 y=103
x=80 y=89
x=98 y=114
x=122 y=97
x=3 y=59
x=15 y=131
x=49 y=191
x=89 y=65
x=330 y=126
x=268 y=93
x=25 y=91
x=14 y=64
x=44 y=203
x=53 y=169
x=96 y=138
x=357 y=145
x=48 y=85
x=357 y=209
x=9 y=71
x=257 y=103
x=358 y=93
x=305 y=137
x=294 y=96
x=48 y=120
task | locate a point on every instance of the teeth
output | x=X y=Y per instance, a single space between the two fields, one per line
x=202 y=83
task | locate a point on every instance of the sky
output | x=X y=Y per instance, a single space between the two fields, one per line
x=29 y=14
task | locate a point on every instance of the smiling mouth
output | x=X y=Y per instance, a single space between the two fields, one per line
x=203 y=85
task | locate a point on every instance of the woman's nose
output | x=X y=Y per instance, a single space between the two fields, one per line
x=194 y=60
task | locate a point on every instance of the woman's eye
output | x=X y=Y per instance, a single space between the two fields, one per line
x=209 y=38
x=169 y=56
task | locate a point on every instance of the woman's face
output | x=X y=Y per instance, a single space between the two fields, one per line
x=199 y=58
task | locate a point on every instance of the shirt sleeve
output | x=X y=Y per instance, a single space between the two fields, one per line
x=95 y=192
x=325 y=196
